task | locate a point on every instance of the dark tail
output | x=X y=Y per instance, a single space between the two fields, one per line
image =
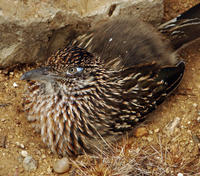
x=184 y=28
x=172 y=77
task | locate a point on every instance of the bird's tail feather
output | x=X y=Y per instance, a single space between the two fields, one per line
x=172 y=77
x=184 y=28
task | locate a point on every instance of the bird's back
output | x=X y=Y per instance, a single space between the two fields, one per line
x=129 y=40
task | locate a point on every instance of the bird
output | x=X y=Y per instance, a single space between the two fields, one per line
x=183 y=29
x=99 y=87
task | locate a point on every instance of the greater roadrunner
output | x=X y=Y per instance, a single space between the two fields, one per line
x=102 y=85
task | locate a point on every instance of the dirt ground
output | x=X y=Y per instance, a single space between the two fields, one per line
x=178 y=152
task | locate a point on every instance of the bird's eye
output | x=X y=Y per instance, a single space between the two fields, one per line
x=74 y=70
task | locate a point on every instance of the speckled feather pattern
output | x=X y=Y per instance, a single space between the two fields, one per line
x=106 y=96
x=75 y=114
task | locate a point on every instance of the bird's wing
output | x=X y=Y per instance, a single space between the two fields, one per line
x=143 y=88
x=129 y=40
x=151 y=85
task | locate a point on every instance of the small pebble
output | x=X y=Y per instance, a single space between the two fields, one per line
x=24 y=153
x=15 y=84
x=172 y=125
x=3 y=120
x=198 y=119
x=149 y=139
x=189 y=132
x=196 y=139
x=20 y=145
x=62 y=165
x=140 y=132
x=195 y=105
x=156 y=130
x=43 y=156
x=30 y=164
x=150 y=132
x=179 y=174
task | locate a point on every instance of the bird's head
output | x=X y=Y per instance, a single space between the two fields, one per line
x=72 y=68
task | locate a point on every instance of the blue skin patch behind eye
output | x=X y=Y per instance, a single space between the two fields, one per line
x=79 y=69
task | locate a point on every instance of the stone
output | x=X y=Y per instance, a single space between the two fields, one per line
x=170 y=128
x=156 y=130
x=43 y=156
x=140 y=132
x=15 y=85
x=30 y=164
x=31 y=30
x=180 y=174
x=61 y=166
x=24 y=153
x=20 y=145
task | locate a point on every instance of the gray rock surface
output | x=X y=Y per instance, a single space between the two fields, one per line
x=29 y=164
x=31 y=30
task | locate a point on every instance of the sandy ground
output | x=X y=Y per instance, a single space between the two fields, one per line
x=181 y=148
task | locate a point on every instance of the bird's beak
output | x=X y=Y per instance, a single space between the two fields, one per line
x=38 y=74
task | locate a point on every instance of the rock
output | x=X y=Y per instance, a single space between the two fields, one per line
x=30 y=164
x=140 y=132
x=150 y=132
x=196 y=139
x=62 y=165
x=156 y=130
x=195 y=105
x=20 y=145
x=24 y=153
x=180 y=174
x=43 y=156
x=32 y=30
x=15 y=85
x=3 y=120
x=169 y=129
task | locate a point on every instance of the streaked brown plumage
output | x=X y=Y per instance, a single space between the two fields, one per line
x=81 y=99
